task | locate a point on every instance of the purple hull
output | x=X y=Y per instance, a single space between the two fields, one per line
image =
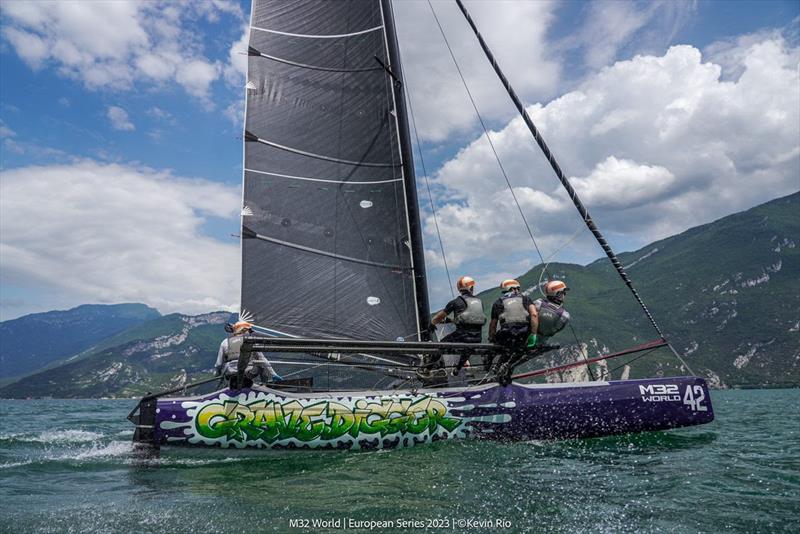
x=268 y=418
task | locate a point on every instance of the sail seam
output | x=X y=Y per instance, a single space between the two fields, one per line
x=312 y=67
x=329 y=254
x=332 y=36
x=320 y=156
x=348 y=182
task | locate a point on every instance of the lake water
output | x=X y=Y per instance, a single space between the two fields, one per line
x=65 y=467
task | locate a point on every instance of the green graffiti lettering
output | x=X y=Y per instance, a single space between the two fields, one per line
x=271 y=421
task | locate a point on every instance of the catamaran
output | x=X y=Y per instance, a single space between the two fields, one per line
x=333 y=271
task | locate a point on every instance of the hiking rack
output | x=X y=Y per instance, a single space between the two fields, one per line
x=350 y=346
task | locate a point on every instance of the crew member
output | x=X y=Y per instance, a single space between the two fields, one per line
x=468 y=316
x=552 y=317
x=228 y=356
x=517 y=318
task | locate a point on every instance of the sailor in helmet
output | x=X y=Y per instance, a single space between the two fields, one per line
x=514 y=314
x=228 y=356
x=552 y=317
x=468 y=317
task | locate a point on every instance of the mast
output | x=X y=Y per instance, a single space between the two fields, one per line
x=406 y=154
x=560 y=174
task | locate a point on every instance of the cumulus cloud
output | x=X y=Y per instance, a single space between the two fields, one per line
x=516 y=33
x=654 y=145
x=117 y=44
x=115 y=233
x=119 y=119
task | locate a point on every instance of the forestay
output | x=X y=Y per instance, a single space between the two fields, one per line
x=330 y=230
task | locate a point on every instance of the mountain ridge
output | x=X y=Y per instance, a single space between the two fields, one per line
x=726 y=294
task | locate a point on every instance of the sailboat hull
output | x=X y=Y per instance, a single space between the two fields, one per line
x=270 y=419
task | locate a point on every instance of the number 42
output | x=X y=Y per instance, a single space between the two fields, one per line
x=694 y=398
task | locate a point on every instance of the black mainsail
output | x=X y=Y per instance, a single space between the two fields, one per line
x=331 y=241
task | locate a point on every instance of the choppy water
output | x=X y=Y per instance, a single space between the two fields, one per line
x=64 y=467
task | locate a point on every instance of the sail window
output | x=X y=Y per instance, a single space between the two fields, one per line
x=365 y=204
x=373 y=301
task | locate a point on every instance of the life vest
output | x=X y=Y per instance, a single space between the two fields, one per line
x=552 y=317
x=473 y=314
x=514 y=313
x=234 y=348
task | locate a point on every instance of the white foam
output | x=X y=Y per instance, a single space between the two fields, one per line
x=15 y=464
x=67 y=436
x=114 y=448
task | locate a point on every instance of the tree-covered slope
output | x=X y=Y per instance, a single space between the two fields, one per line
x=33 y=341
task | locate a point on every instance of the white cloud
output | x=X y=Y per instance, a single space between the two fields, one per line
x=116 y=233
x=196 y=76
x=516 y=33
x=610 y=27
x=654 y=145
x=160 y=114
x=119 y=119
x=5 y=131
x=236 y=69
x=117 y=44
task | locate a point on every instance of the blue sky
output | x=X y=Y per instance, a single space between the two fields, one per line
x=141 y=103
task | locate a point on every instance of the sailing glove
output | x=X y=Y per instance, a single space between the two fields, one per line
x=531 y=341
x=277 y=378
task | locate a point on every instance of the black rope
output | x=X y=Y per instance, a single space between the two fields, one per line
x=559 y=173
x=486 y=133
x=430 y=195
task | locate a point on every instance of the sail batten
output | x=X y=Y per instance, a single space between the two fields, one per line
x=253 y=52
x=250 y=234
x=328 y=247
x=306 y=36
x=348 y=182
x=319 y=156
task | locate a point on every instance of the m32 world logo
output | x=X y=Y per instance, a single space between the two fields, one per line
x=693 y=396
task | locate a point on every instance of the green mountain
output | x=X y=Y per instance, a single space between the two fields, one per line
x=726 y=294
x=31 y=342
x=155 y=355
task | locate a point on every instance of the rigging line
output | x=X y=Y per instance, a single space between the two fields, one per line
x=336 y=36
x=675 y=352
x=430 y=195
x=340 y=363
x=631 y=361
x=486 y=133
x=559 y=173
x=582 y=352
